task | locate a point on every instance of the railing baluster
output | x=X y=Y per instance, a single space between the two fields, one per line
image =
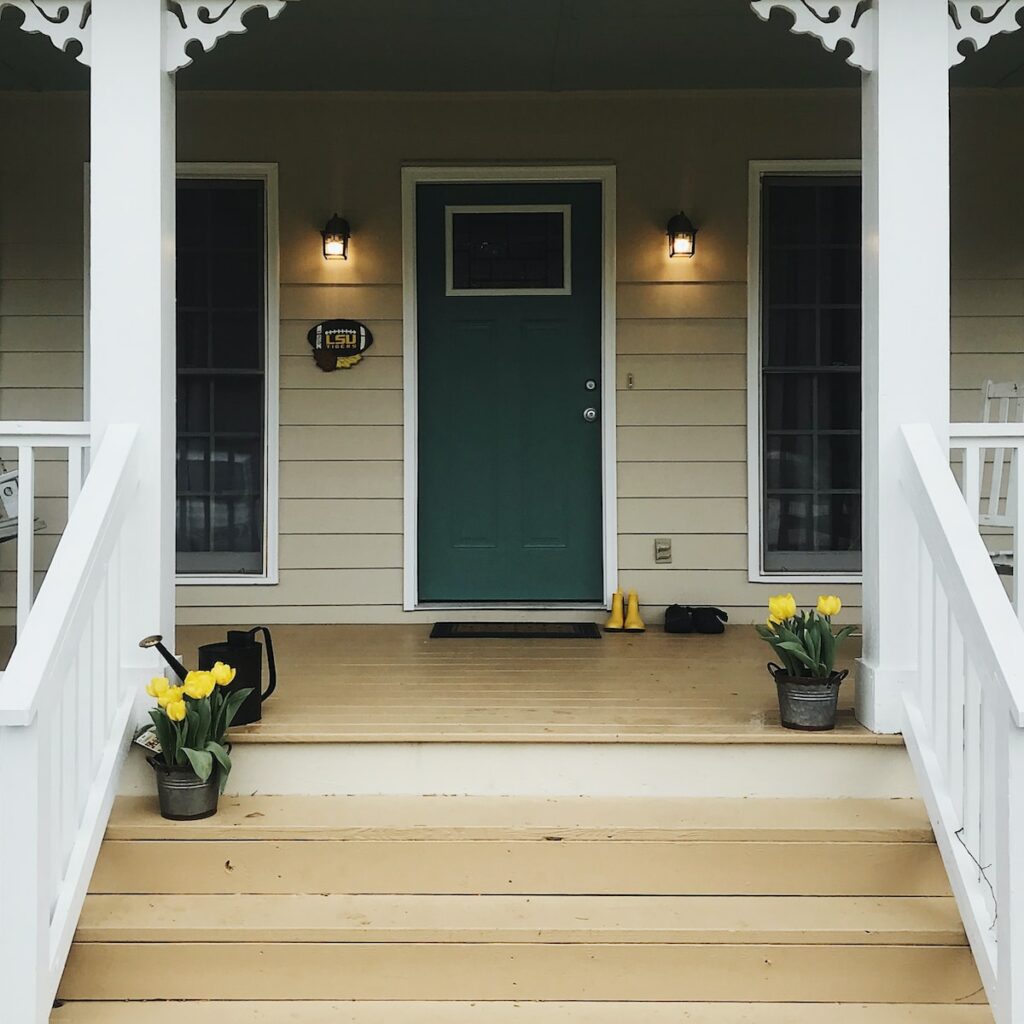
x=972 y=480
x=26 y=531
x=957 y=711
x=971 y=815
x=75 y=455
x=1009 y=853
x=926 y=635
x=1016 y=499
x=989 y=785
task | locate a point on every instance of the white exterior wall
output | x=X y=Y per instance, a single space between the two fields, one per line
x=681 y=329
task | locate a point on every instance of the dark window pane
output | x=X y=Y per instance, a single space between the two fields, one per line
x=237 y=525
x=839 y=402
x=837 y=523
x=840 y=276
x=840 y=337
x=238 y=404
x=838 y=463
x=839 y=211
x=193 y=214
x=788 y=401
x=193 y=339
x=193 y=403
x=793 y=277
x=235 y=280
x=193 y=524
x=237 y=465
x=193 y=466
x=507 y=250
x=810 y=351
x=791 y=338
x=237 y=215
x=789 y=462
x=193 y=283
x=236 y=340
x=221 y=403
x=788 y=522
x=792 y=213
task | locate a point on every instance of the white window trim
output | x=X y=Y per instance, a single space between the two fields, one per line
x=449 y=256
x=267 y=173
x=412 y=176
x=755 y=484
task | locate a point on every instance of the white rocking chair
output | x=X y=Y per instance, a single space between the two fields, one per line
x=9 y=506
x=1001 y=403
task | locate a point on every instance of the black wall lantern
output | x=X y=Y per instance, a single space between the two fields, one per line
x=682 y=236
x=336 y=234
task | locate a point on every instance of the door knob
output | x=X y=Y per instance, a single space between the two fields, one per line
x=590 y=414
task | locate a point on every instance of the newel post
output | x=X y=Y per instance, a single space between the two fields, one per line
x=905 y=142
x=131 y=281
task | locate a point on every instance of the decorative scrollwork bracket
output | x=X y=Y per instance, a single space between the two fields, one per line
x=66 y=22
x=832 y=22
x=972 y=22
x=977 y=21
x=207 y=22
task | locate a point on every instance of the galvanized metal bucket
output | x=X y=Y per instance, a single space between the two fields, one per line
x=183 y=795
x=805 y=702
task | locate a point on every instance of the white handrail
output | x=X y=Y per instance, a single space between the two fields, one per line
x=66 y=704
x=28 y=436
x=964 y=725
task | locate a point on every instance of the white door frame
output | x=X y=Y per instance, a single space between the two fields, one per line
x=412 y=176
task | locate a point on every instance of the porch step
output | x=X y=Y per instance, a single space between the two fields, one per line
x=466 y=908
x=307 y=1012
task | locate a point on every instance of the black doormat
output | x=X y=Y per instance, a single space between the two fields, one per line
x=515 y=631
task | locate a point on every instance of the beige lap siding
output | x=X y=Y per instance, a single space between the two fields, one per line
x=681 y=328
x=41 y=305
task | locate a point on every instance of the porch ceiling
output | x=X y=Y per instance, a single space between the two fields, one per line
x=503 y=45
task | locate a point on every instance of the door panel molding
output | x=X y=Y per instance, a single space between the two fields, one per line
x=412 y=176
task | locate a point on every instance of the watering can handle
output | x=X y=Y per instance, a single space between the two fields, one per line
x=271 y=664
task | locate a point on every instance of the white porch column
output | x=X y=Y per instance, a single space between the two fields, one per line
x=905 y=140
x=131 y=286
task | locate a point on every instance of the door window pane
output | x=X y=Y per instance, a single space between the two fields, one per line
x=221 y=316
x=507 y=250
x=810 y=373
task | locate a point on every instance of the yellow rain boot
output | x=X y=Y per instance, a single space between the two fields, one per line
x=634 y=624
x=614 y=623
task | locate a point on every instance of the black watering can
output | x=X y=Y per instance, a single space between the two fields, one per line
x=244 y=654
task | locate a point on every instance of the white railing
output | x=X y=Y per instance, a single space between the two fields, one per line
x=65 y=724
x=994 y=489
x=964 y=724
x=28 y=438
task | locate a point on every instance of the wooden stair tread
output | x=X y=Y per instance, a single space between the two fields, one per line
x=613 y=867
x=312 y=1012
x=592 y=972
x=510 y=919
x=508 y=818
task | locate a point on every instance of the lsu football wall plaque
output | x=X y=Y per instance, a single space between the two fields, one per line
x=339 y=344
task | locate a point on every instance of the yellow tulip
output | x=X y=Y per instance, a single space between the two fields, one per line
x=157 y=686
x=176 y=710
x=829 y=605
x=782 y=607
x=222 y=674
x=170 y=695
x=199 y=684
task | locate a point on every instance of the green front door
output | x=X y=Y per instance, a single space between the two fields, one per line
x=509 y=363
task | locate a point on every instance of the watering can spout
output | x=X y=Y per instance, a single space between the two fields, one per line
x=176 y=666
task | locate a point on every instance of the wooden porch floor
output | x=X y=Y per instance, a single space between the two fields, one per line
x=388 y=683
